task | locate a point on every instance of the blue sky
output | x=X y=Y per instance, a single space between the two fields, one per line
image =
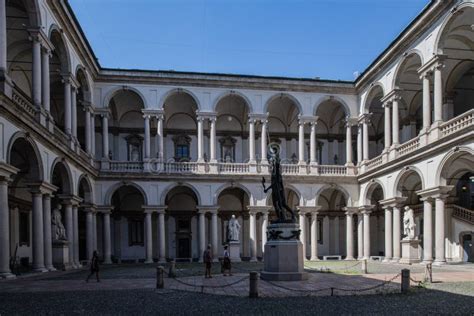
x=330 y=39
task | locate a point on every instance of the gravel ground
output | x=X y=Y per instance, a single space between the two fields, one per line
x=438 y=299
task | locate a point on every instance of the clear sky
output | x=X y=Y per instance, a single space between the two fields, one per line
x=330 y=39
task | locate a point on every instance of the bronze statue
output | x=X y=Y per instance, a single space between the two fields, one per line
x=278 y=191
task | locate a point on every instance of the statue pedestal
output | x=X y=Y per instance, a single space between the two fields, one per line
x=61 y=255
x=234 y=251
x=410 y=251
x=283 y=258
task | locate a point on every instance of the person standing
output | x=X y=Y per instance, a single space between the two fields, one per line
x=94 y=266
x=207 y=258
x=227 y=265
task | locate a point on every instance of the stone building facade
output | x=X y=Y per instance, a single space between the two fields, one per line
x=151 y=165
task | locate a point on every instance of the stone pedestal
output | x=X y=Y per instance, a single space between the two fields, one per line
x=234 y=251
x=283 y=258
x=410 y=251
x=61 y=260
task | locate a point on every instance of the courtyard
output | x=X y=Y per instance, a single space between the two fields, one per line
x=129 y=288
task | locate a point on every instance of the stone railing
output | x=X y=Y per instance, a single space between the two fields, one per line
x=61 y=135
x=457 y=123
x=126 y=166
x=23 y=102
x=375 y=162
x=332 y=170
x=409 y=146
x=289 y=169
x=180 y=167
x=233 y=168
x=463 y=214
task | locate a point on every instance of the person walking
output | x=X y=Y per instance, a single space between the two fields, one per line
x=94 y=266
x=207 y=258
x=227 y=265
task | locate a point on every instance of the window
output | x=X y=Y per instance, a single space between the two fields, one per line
x=135 y=232
x=181 y=148
x=24 y=219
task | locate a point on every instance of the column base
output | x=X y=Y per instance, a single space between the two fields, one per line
x=107 y=261
x=395 y=260
x=387 y=260
x=41 y=270
x=7 y=275
x=253 y=260
x=149 y=261
x=314 y=259
x=161 y=260
x=425 y=262
x=439 y=262
x=51 y=269
x=349 y=259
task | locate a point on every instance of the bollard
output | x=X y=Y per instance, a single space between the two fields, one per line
x=160 y=282
x=428 y=273
x=253 y=285
x=364 y=266
x=405 y=280
x=172 y=270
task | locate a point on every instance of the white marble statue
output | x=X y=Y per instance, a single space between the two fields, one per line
x=233 y=229
x=59 y=232
x=409 y=223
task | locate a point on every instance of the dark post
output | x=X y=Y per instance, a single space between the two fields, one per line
x=253 y=285
x=364 y=266
x=172 y=271
x=160 y=282
x=405 y=280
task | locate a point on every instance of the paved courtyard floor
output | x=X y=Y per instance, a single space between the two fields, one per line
x=131 y=288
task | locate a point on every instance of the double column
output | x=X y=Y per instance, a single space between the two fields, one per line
x=365 y=211
x=160 y=228
x=105 y=134
x=148 y=116
x=349 y=124
x=90 y=247
x=106 y=210
x=365 y=121
x=201 y=119
x=89 y=129
x=6 y=172
x=350 y=211
x=392 y=208
x=202 y=211
x=253 y=121
x=70 y=204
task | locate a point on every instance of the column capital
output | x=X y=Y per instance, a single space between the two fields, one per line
x=351 y=121
x=350 y=210
x=365 y=118
x=37 y=34
x=69 y=199
x=393 y=95
x=89 y=208
x=396 y=201
x=6 y=171
x=103 y=112
x=205 y=115
x=258 y=208
x=68 y=77
x=366 y=209
x=308 y=209
x=105 y=209
x=207 y=208
x=435 y=192
x=43 y=187
x=436 y=61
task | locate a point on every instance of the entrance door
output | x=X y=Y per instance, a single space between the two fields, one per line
x=468 y=249
x=184 y=247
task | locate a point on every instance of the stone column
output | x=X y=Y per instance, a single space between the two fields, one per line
x=365 y=127
x=105 y=136
x=107 y=237
x=253 y=236
x=396 y=233
x=146 y=118
x=349 y=143
x=161 y=235
x=427 y=230
x=440 y=222
x=67 y=105
x=366 y=234
x=301 y=142
x=360 y=236
x=395 y=121
x=202 y=234
x=214 y=235
x=212 y=139
x=38 y=233
x=438 y=94
x=89 y=234
x=75 y=223
x=264 y=141
x=264 y=229
x=45 y=81
x=387 y=134
x=426 y=103
x=160 y=135
x=36 y=70
x=252 y=140
x=74 y=112
x=388 y=234
x=67 y=205
x=148 y=238
x=92 y=134
x=350 y=235
x=312 y=144
x=3 y=50
x=88 y=130
x=94 y=230
x=359 y=143
x=314 y=236
x=303 y=231
x=4 y=216
x=200 y=139
x=48 y=244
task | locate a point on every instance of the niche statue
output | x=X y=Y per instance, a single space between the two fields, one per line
x=233 y=229
x=59 y=232
x=278 y=191
x=409 y=223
